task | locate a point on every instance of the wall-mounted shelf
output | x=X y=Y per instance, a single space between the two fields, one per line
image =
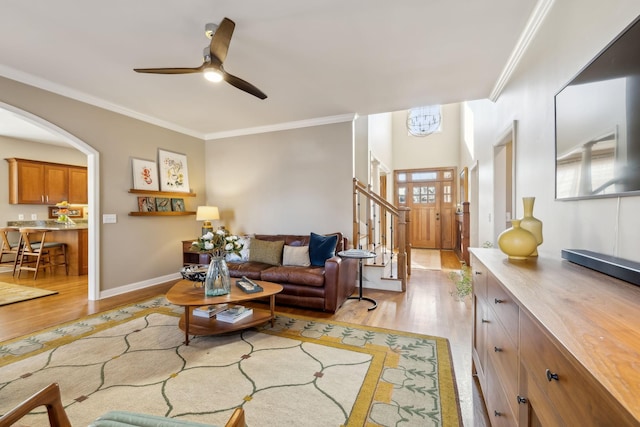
x=162 y=193
x=168 y=194
x=168 y=213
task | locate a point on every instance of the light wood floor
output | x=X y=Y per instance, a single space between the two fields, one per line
x=426 y=308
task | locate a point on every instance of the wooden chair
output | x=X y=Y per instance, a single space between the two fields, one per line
x=50 y=397
x=9 y=248
x=37 y=250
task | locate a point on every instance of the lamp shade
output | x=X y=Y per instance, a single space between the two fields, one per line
x=207 y=213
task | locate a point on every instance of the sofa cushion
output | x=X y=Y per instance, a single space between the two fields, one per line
x=308 y=276
x=321 y=248
x=296 y=255
x=249 y=269
x=266 y=252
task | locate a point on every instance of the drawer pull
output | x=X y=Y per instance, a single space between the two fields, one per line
x=497 y=414
x=521 y=399
x=477 y=272
x=498 y=301
x=551 y=376
x=485 y=321
x=498 y=350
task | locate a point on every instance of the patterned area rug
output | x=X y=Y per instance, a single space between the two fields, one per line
x=300 y=372
x=10 y=293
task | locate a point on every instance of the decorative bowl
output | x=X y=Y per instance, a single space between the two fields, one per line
x=194 y=273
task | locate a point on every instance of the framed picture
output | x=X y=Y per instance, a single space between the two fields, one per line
x=174 y=175
x=145 y=174
x=464 y=185
x=177 y=205
x=72 y=211
x=163 y=204
x=146 y=204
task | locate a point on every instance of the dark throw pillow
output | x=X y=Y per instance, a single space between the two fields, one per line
x=321 y=248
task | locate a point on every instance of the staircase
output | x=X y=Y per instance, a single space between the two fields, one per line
x=377 y=224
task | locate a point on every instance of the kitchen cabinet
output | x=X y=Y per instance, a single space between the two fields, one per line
x=554 y=343
x=78 y=186
x=42 y=183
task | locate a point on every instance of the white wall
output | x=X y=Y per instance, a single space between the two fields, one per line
x=571 y=35
x=381 y=139
x=439 y=149
x=289 y=182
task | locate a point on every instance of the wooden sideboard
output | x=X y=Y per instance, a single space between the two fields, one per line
x=554 y=343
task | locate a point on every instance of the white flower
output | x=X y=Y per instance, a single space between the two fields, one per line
x=221 y=232
x=208 y=246
x=228 y=247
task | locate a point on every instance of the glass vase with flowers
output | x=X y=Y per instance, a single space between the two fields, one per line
x=217 y=244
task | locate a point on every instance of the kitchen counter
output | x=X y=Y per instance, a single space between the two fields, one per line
x=76 y=237
x=50 y=224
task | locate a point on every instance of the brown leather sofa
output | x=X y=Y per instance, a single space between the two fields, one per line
x=323 y=288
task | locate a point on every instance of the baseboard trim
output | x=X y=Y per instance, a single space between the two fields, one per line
x=138 y=285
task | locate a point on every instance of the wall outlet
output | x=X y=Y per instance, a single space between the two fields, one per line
x=20 y=217
x=109 y=218
x=34 y=216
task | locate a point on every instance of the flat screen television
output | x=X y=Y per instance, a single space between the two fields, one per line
x=597 y=117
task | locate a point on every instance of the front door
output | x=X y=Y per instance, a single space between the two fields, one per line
x=429 y=193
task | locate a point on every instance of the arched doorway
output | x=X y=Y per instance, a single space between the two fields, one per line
x=93 y=166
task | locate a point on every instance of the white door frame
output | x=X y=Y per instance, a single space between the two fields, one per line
x=93 y=189
x=504 y=179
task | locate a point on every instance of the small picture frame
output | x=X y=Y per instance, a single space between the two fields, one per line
x=163 y=204
x=145 y=174
x=177 y=205
x=72 y=211
x=146 y=204
x=174 y=174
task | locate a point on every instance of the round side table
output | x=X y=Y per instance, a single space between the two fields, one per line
x=360 y=255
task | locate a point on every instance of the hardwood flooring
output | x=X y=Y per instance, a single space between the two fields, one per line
x=426 y=308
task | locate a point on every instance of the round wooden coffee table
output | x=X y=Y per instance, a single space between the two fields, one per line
x=184 y=293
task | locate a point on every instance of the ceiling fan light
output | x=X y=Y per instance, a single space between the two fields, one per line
x=213 y=75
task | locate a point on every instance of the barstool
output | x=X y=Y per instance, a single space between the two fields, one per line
x=9 y=247
x=46 y=254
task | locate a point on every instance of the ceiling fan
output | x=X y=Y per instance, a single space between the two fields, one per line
x=214 y=56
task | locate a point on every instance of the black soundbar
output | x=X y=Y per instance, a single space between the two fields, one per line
x=620 y=268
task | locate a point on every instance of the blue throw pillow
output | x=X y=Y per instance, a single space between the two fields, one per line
x=321 y=248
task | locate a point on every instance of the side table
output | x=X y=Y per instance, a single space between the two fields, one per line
x=360 y=255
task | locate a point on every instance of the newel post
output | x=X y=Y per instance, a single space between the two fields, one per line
x=403 y=245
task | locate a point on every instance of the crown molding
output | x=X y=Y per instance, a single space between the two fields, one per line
x=65 y=91
x=282 y=126
x=535 y=20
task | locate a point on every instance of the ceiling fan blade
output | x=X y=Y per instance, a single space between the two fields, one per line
x=221 y=39
x=244 y=85
x=169 y=70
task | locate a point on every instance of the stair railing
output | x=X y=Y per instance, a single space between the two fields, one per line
x=382 y=222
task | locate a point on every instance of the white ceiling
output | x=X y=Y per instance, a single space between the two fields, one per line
x=314 y=59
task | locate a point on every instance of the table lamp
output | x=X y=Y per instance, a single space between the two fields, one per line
x=207 y=214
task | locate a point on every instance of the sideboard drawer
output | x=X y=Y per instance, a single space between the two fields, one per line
x=575 y=395
x=504 y=358
x=479 y=277
x=504 y=306
x=499 y=410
